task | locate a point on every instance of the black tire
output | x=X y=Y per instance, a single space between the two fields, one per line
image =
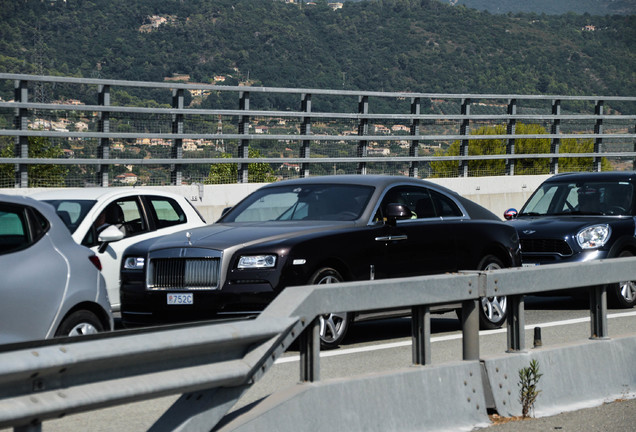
x=494 y=310
x=333 y=326
x=622 y=294
x=79 y=323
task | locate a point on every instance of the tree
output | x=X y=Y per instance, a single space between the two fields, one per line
x=228 y=173
x=39 y=175
x=522 y=146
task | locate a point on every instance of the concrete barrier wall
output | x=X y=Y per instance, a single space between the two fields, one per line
x=452 y=396
x=575 y=376
x=495 y=193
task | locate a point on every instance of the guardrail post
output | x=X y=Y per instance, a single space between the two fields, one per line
x=470 y=329
x=177 y=143
x=598 y=129
x=598 y=312
x=103 y=125
x=309 y=342
x=29 y=428
x=21 y=94
x=464 y=129
x=421 y=334
x=510 y=130
x=305 y=129
x=243 y=129
x=516 y=323
x=415 y=130
x=363 y=129
x=555 y=142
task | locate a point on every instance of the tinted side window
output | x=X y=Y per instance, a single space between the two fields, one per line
x=14 y=229
x=445 y=206
x=167 y=212
x=417 y=199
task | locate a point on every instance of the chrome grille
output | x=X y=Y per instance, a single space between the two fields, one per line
x=183 y=273
x=552 y=246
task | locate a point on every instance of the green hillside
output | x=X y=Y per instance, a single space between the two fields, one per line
x=391 y=45
x=552 y=7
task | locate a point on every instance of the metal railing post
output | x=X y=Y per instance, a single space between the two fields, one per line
x=598 y=312
x=634 y=161
x=415 y=144
x=363 y=130
x=510 y=130
x=305 y=129
x=555 y=142
x=421 y=334
x=464 y=130
x=516 y=323
x=103 y=151
x=470 y=329
x=244 y=143
x=21 y=94
x=309 y=345
x=598 y=129
x=177 y=143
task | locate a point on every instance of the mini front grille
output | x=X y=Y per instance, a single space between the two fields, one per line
x=552 y=246
x=183 y=273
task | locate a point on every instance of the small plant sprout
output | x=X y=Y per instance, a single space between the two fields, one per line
x=529 y=381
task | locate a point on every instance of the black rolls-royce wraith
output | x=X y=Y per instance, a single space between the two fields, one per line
x=311 y=231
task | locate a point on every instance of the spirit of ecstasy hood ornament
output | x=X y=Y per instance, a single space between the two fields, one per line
x=188 y=236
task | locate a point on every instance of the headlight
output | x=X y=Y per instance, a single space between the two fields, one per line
x=257 y=261
x=594 y=236
x=134 y=263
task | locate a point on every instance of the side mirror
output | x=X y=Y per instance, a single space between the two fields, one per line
x=511 y=213
x=108 y=235
x=395 y=212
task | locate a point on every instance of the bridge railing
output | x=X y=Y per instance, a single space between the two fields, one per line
x=173 y=132
x=217 y=363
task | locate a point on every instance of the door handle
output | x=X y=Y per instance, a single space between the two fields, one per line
x=392 y=238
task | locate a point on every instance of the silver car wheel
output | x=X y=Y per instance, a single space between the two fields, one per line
x=83 y=329
x=494 y=309
x=333 y=326
x=627 y=290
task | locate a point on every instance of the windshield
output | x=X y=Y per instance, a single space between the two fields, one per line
x=325 y=202
x=581 y=198
x=72 y=212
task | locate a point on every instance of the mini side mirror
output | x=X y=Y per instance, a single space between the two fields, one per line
x=511 y=213
x=108 y=235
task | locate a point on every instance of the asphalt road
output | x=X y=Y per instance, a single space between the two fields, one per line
x=385 y=345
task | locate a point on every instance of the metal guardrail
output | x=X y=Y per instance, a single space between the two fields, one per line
x=48 y=380
x=612 y=132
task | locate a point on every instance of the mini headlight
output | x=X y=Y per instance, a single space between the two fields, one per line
x=134 y=263
x=257 y=261
x=594 y=236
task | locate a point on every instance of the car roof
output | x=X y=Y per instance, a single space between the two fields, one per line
x=594 y=176
x=97 y=193
x=380 y=181
x=24 y=200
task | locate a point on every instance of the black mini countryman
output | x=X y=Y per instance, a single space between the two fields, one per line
x=312 y=231
x=576 y=217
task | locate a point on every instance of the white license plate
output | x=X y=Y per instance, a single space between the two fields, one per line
x=180 y=299
x=529 y=264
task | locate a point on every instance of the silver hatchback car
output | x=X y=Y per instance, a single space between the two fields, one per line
x=50 y=285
